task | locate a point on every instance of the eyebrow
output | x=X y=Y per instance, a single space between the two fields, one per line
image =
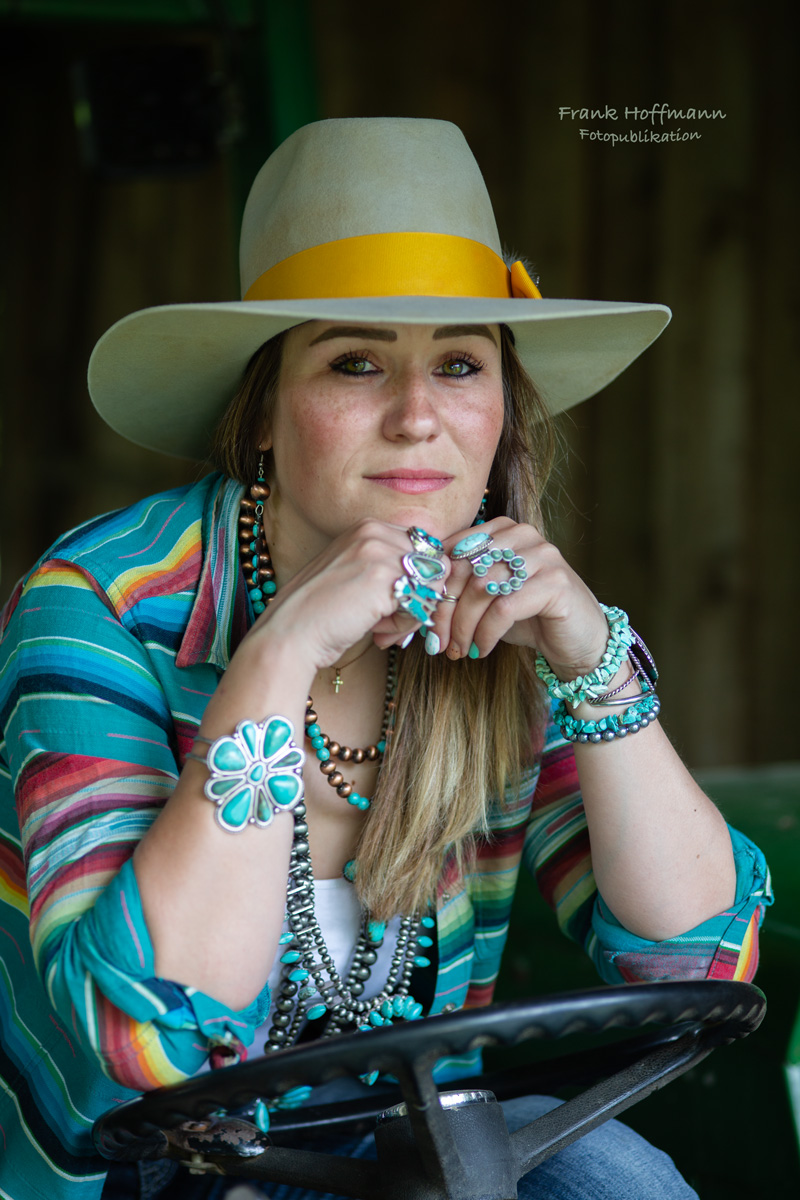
x=367 y=333
x=363 y=333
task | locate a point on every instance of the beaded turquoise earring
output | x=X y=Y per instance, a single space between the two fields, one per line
x=481 y=517
x=255 y=557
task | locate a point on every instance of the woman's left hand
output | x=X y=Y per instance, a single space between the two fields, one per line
x=661 y=852
x=554 y=611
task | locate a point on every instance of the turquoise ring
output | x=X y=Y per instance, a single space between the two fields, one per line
x=424 y=542
x=417 y=599
x=472 y=545
x=481 y=551
x=424 y=568
x=507 y=558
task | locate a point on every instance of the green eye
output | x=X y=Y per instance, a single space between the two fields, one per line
x=355 y=366
x=456 y=368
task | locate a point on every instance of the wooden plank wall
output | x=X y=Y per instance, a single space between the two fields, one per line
x=678 y=497
x=80 y=252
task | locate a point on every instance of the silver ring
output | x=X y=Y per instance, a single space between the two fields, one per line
x=450 y=599
x=472 y=546
x=424 y=567
x=417 y=599
x=424 y=542
x=509 y=558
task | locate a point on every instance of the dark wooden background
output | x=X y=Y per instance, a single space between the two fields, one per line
x=677 y=495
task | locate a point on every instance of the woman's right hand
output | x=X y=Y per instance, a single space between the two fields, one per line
x=343 y=594
x=192 y=874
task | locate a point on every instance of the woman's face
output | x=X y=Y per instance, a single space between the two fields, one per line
x=397 y=422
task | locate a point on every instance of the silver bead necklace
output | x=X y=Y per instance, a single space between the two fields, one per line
x=311 y=988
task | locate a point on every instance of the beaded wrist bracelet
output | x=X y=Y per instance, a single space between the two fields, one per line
x=643 y=668
x=593 y=684
x=637 y=716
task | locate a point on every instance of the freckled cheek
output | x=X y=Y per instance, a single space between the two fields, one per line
x=312 y=437
x=480 y=429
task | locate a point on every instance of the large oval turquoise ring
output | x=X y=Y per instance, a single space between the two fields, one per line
x=424 y=542
x=472 y=545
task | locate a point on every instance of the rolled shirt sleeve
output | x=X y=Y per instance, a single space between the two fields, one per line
x=145 y=1030
x=558 y=853
x=91 y=741
x=723 y=947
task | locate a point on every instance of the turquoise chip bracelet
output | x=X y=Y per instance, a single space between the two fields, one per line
x=592 y=685
x=635 y=717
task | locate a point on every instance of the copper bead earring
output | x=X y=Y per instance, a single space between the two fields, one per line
x=253 y=545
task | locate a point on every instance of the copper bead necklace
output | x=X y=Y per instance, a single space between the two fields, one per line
x=261 y=585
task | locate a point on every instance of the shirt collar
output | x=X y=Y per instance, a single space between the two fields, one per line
x=220 y=614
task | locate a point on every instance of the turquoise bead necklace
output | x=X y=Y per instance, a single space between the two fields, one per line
x=326 y=749
x=310 y=986
x=261 y=585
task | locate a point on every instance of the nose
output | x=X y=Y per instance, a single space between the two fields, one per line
x=412 y=414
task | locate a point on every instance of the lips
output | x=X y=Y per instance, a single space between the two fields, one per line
x=413 y=480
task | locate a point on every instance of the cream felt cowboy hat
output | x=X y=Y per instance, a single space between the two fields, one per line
x=376 y=219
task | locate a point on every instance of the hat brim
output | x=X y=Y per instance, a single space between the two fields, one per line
x=162 y=377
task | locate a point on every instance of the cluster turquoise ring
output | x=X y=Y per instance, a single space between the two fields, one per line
x=479 y=548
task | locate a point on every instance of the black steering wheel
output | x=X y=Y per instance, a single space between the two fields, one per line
x=432 y=1158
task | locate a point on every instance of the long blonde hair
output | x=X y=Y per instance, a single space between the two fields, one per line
x=463 y=730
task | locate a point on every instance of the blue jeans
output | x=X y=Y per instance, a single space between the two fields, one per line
x=610 y=1163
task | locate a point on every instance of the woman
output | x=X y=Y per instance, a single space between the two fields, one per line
x=159 y=665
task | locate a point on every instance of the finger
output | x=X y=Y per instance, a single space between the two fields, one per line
x=420 y=587
x=481 y=576
x=440 y=638
x=397 y=630
x=473 y=605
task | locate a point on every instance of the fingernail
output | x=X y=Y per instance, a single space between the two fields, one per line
x=407 y=640
x=473 y=651
x=453 y=651
x=432 y=643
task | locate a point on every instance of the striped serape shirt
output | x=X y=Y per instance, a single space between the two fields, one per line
x=111 y=648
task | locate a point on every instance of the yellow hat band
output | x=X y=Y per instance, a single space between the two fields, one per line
x=394 y=264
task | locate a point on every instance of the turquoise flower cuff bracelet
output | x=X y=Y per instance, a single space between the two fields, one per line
x=253 y=773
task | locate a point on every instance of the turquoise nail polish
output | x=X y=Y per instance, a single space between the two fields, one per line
x=474 y=652
x=432 y=643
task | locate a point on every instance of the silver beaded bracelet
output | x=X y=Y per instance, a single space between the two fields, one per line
x=638 y=715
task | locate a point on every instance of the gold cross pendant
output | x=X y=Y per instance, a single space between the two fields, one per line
x=337 y=681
